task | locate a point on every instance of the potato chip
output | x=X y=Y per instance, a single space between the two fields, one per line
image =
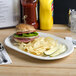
x=40 y=45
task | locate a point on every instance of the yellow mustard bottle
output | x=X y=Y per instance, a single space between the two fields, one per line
x=46 y=14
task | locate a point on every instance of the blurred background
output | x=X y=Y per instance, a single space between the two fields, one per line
x=61 y=8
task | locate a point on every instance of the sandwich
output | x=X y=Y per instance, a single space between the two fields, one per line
x=25 y=33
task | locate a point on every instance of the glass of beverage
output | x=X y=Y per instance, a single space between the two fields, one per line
x=73 y=21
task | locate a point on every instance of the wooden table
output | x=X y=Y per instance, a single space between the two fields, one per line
x=26 y=66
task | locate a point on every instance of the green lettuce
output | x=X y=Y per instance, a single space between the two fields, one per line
x=26 y=34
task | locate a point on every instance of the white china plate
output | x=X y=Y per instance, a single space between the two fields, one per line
x=69 y=46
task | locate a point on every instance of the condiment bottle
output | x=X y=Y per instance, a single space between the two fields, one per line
x=46 y=14
x=29 y=12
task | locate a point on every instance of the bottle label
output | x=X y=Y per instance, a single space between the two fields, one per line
x=52 y=7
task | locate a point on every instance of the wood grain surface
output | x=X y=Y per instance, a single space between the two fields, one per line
x=27 y=66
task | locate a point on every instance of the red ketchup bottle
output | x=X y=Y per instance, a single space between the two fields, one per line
x=29 y=12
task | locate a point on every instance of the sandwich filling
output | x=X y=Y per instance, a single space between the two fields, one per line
x=25 y=37
x=26 y=34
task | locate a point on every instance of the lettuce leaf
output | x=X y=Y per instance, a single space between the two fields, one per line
x=26 y=34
